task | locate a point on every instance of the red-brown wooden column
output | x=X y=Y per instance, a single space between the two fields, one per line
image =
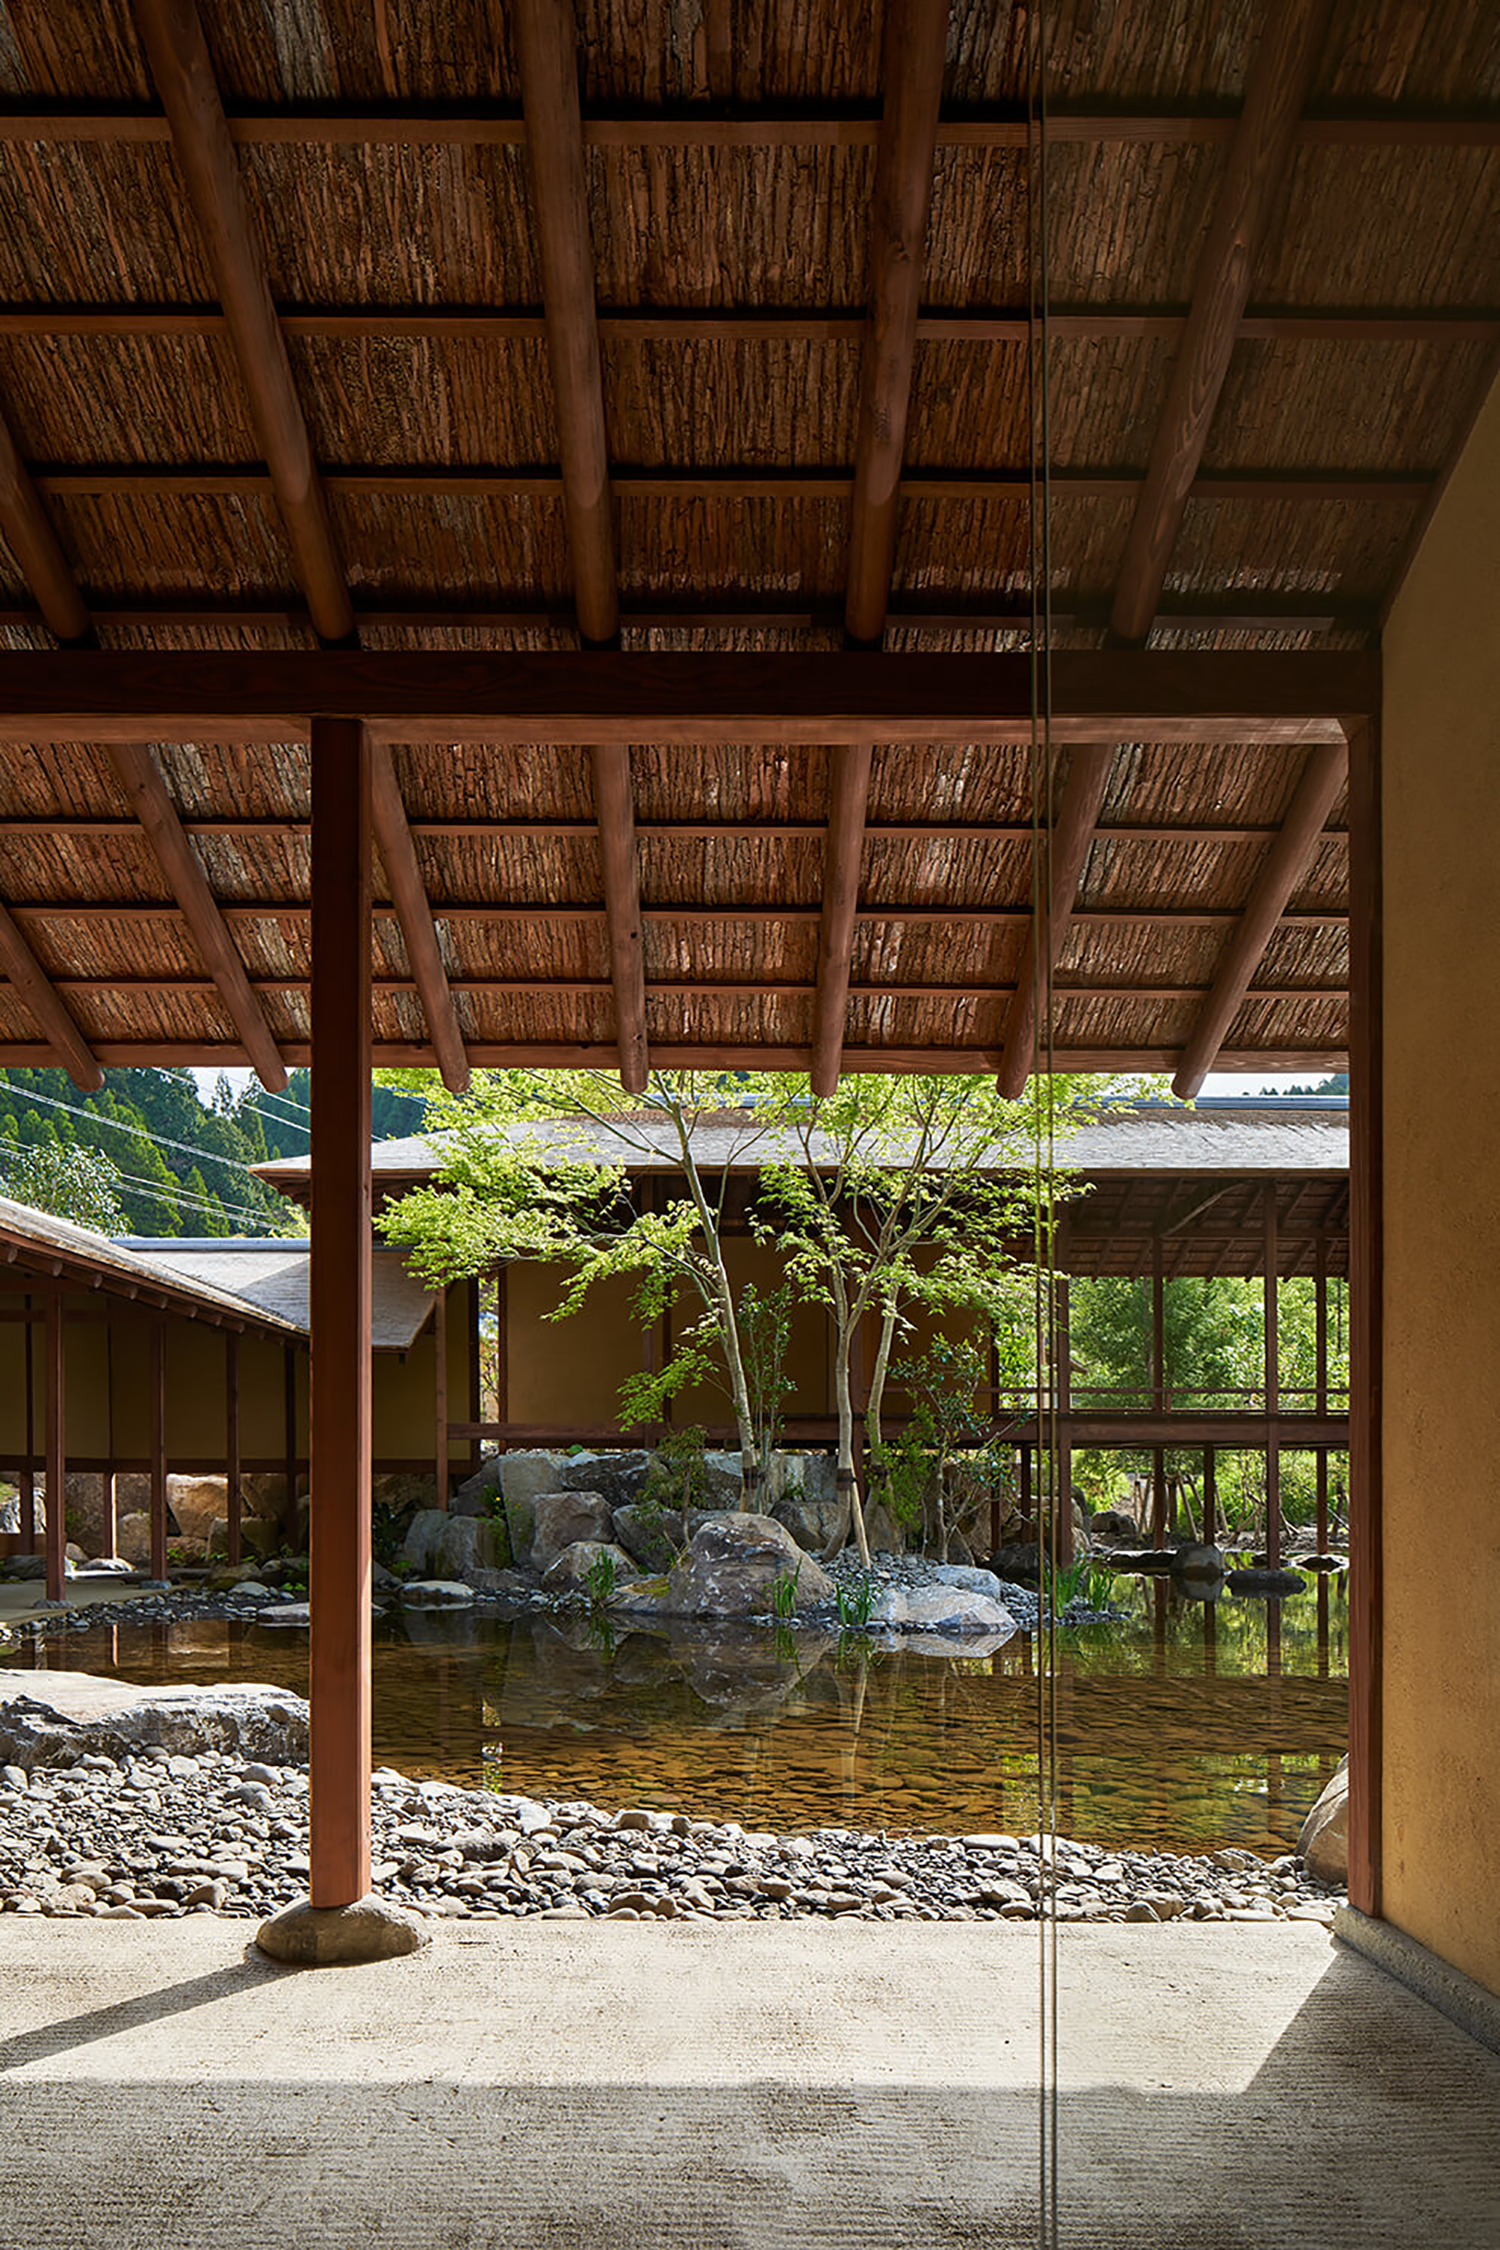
x=1158 y=1392
x=440 y=1395
x=1366 y=1248
x=28 y=1474
x=158 y=1449
x=1064 y=1496
x=1273 y=1384
x=1320 y=1397
x=340 y=1309
x=55 y=1440
x=232 y=1442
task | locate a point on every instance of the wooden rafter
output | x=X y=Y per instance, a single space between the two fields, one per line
x=1254 y=176
x=418 y=929
x=840 y=905
x=1071 y=835
x=620 y=866
x=1323 y=779
x=42 y=1002
x=145 y=787
x=32 y=540
x=547 y=55
x=172 y=36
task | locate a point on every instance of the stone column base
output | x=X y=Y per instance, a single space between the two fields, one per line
x=313 y=1937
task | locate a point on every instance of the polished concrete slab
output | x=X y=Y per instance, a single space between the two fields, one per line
x=623 y=2086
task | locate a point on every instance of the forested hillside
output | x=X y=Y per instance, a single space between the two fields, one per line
x=148 y=1154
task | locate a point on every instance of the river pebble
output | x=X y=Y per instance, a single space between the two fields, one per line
x=159 y=1836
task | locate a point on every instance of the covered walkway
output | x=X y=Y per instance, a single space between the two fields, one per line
x=755 y=2085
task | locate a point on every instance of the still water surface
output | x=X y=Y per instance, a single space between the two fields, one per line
x=1192 y=1726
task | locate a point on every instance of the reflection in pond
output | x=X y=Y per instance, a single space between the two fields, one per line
x=1196 y=1724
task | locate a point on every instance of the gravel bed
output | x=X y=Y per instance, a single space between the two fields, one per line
x=165 y=1835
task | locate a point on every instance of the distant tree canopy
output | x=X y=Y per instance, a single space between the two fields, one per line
x=178 y=1165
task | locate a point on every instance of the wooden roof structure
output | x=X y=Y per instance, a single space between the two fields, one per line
x=376 y=362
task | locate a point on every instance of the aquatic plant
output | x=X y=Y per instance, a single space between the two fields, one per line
x=600 y=1580
x=855 y=1603
x=784 y=1593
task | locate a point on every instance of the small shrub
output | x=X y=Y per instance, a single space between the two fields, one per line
x=784 y=1593
x=600 y=1580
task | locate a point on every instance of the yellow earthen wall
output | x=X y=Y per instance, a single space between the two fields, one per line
x=1441 y=819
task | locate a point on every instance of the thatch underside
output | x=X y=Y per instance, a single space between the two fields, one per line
x=733 y=193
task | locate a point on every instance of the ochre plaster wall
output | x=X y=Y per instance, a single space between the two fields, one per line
x=1441 y=821
x=566 y=1374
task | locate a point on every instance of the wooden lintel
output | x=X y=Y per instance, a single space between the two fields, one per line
x=409 y=898
x=177 y=51
x=1139 y=695
x=145 y=786
x=620 y=870
x=1254 y=177
x=546 y=52
x=1322 y=782
x=841 y=857
x=39 y=997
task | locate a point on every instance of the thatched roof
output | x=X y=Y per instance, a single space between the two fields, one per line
x=715 y=249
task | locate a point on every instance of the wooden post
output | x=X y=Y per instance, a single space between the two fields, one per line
x=440 y=1394
x=1273 y=1384
x=471 y=1313
x=1210 y=1498
x=1366 y=1348
x=1062 y=1497
x=28 y=1474
x=1027 y=1520
x=159 y=1449
x=289 y=1424
x=232 y=1439
x=1158 y=1391
x=340 y=1308
x=1320 y=1290
x=109 y=1530
x=502 y=1345
x=55 y=1436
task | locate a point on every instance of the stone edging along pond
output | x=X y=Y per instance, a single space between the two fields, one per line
x=137 y=1804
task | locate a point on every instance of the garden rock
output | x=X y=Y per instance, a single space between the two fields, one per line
x=476 y=1492
x=1272 y=1583
x=53 y=1718
x=1197 y=1560
x=133 y=1539
x=619 y=1476
x=469 y=1543
x=1111 y=1527
x=574 y=1565
x=941 y=1609
x=436 y=1593
x=258 y=1536
x=1324 y=1842
x=197 y=1503
x=650 y=1536
x=811 y=1520
x=732 y=1567
x=969 y=1576
x=723 y=1480
x=883 y=1534
x=560 y=1519
x=297 y=1615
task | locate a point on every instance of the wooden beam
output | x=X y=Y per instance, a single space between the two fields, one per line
x=55 y=1443
x=849 y=796
x=40 y=999
x=1082 y=121
x=547 y=56
x=340 y=1318
x=620 y=868
x=145 y=786
x=1099 y=695
x=177 y=51
x=1063 y=862
x=1323 y=780
x=409 y=898
x=916 y=34
x=1254 y=177
x=131 y=912
x=1366 y=1339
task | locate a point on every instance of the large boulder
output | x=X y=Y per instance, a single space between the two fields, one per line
x=732 y=1568
x=1195 y=1558
x=812 y=1519
x=575 y=1566
x=723 y=1480
x=400 y=1489
x=54 y=1718
x=561 y=1519
x=1324 y=1842
x=1112 y=1527
x=83 y=1506
x=422 y=1535
x=258 y=1536
x=941 y=1609
x=883 y=1534
x=651 y=1536
x=133 y=1539
x=197 y=1503
x=470 y=1543
x=618 y=1475
x=474 y=1495
x=795 y=1475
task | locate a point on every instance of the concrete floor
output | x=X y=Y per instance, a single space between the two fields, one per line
x=620 y=2086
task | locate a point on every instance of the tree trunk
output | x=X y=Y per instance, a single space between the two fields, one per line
x=729 y=1331
x=877 y=1379
x=847 y=1483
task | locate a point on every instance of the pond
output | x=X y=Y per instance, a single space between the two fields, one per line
x=1193 y=1725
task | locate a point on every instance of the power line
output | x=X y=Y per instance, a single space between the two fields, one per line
x=143 y=1131
x=138 y=1186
